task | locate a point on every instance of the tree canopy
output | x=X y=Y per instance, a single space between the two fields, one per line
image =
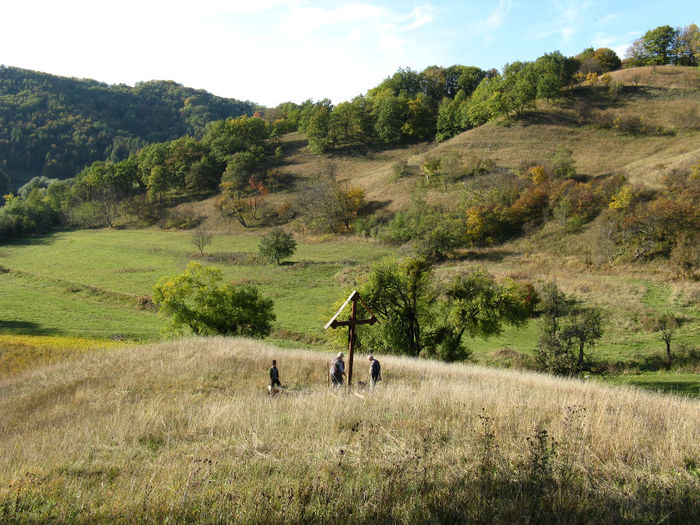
x=422 y=316
x=196 y=299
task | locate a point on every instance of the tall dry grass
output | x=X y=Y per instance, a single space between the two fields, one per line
x=185 y=431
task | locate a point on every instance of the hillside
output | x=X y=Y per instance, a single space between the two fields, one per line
x=54 y=126
x=97 y=283
x=666 y=98
x=186 y=432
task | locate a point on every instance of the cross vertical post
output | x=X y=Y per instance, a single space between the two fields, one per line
x=351 y=344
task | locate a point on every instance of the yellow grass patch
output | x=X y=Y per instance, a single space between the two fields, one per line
x=21 y=352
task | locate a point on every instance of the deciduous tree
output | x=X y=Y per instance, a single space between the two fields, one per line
x=566 y=330
x=277 y=245
x=196 y=299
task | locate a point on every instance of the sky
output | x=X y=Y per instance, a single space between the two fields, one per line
x=272 y=51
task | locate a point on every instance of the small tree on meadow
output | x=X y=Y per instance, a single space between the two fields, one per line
x=566 y=330
x=201 y=238
x=666 y=327
x=277 y=245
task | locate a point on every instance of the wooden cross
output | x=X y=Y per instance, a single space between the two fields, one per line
x=352 y=325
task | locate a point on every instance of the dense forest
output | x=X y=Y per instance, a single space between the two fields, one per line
x=54 y=126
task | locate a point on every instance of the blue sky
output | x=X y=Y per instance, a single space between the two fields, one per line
x=270 y=51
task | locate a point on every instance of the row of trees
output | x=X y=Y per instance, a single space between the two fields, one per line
x=234 y=154
x=421 y=315
x=54 y=126
x=437 y=102
x=665 y=45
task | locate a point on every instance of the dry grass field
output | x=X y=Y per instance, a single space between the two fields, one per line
x=185 y=432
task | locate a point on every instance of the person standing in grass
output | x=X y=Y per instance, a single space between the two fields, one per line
x=274 y=376
x=337 y=370
x=375 y=371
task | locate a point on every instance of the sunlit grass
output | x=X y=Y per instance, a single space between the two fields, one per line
x=186 y=431
x=22 y=352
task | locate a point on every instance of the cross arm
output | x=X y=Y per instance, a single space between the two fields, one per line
x=335 y=323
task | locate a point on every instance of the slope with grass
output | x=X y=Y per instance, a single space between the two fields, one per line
x=96 y=283
x=667 y=98
x=186 y=432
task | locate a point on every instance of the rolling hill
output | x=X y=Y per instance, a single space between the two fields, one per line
x=54 y=126
x=185 y=432
x=74 y=276
x=665 y=98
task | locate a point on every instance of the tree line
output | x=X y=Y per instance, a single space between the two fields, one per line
x=54 y=126
x=440 y=102
x=231 y=157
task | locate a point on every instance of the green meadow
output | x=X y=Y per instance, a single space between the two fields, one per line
x=96 y=284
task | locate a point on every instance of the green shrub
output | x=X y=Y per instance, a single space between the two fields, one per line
x=196 y=300
x=277 y=245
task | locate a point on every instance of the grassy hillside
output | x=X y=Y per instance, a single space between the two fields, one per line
x=186 y=432
x=96 y=283
x=667 y=98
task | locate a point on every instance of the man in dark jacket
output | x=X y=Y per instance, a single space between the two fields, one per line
x=274 y=376
x=337 y=370
x=375 y=371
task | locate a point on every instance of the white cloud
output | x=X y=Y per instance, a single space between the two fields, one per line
x=567 y=19
x=485 y=27
x=607 y=19
x=421 y=15
x=498 y=16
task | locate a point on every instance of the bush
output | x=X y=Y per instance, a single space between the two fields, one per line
x=196 y=300
x=402 y=169
x=181 y=219
x=277 y=245
x=685 y=255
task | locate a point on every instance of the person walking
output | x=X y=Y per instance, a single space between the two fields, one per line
x=375 y=371
x=337 y=370
x=274 y=376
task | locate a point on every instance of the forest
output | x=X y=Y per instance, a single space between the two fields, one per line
x=54 y=126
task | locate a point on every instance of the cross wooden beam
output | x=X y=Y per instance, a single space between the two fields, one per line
x=352 y=326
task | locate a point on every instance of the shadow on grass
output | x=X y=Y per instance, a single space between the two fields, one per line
x=682 y=358
x=685 y=387
x=25 y=328
x=35 y=239
x=490 y=256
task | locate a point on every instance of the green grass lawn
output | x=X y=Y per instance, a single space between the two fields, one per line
x=88 y=283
